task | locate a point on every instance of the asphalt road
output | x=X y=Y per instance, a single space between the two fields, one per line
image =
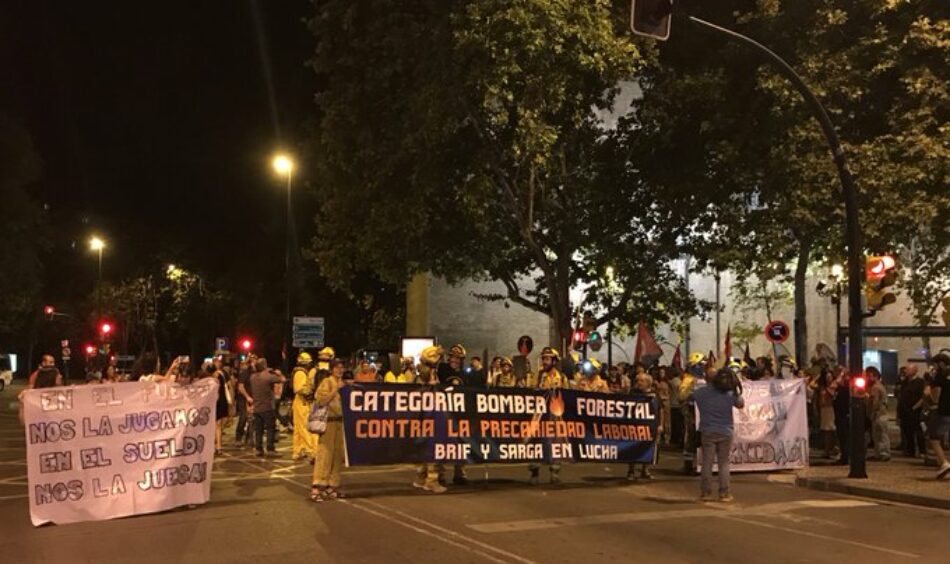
x=259 y=512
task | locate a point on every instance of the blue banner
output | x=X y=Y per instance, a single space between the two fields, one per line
x=392 y=424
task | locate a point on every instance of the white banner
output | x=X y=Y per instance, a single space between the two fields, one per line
x=771 y=431
x=105 y=451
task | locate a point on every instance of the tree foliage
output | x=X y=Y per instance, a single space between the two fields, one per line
x=464 y=138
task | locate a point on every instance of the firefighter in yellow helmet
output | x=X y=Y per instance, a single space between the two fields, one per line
x=427 y=475
x=549 y=378
x=506 y=378
x=406 y=372
x=324 y=357
x=695 y=369
x=589 y=379
x=304 y=443
x=452 y=373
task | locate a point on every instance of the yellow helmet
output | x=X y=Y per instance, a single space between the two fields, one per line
x=696 y=358
x=457 y=350
x=326 y=353
x=506 y=360
x=304 y=358
x=596 y=364
x=430 y=356
x=550 y=351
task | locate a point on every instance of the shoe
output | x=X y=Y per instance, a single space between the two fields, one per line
x=726 y=498
x=260 y=454
x=534 y=481
x=434 y=487
x=555 y=478
x=273 y=454
x=631 y=476
x=459 y=481
x=706 y=497
x=421 y=484
x=944 y=471
x=646 y=475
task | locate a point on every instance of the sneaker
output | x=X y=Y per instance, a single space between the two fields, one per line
x=421 y=484
x=555 y=478
x=706 y=497
x=726 y=498
x=260 y=454
x=646 y=475
x=273 y=454
x=944 y=471
x=434 y=487
x=631 y=476
x=534 y=481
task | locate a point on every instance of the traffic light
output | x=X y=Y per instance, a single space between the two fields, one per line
x=860 y=384
x=595 y=341
x=651 y=18
x=49 y=311
x=880 y=274
x=105 y=329
x=90 y=350
x=579 y=338
x=246 y=345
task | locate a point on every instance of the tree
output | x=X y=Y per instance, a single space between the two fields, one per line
x=462 y=138
x=22 y=234
x=745 y=139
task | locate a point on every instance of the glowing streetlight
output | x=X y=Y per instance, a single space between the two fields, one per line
x=282 y=164
x=837 y=271
x=97 y=244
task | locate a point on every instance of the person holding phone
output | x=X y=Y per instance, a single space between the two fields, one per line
x=263 y=383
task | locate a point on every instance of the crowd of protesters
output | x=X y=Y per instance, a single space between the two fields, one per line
x=258 y=399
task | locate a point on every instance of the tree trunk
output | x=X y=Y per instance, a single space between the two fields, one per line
x=801 y=324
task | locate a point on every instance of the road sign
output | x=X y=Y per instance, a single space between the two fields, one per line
x=525 y=345
x=777 y=332
x=66 y=353
x=308 y=332
x=221 y=345
x=64 y=343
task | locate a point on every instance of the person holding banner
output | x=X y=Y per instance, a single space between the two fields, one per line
x=550 y=378
x=505 y=377
x=644 y=384
x=406 y=375
x=451 y=373
x=715 y=402
x=428 y=475
x=330 y=453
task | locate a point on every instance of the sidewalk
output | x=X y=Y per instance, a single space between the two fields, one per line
x=902 y=480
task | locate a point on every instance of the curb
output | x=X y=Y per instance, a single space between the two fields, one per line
x=864 y=491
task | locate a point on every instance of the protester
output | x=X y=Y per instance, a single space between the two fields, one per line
x=428 y=475
x=908 y=412
x=695 y=369
x=263 y=382
x=222 y=407
x=475 y=375
x=550 y=378
x=617 y=381
x=494 y=371
x=304 y=443
x=663 y=394
x=644 y=384
x=940 y=422
x=841 y=403
x=366 y=373
x=243 y=401
x=824 y=398
x=46 y=361
x=715 y=402
x=590 y=380
x=330 y=454
x=877 y=412
x=506 y=377
x=406 y=375
x=451 y=373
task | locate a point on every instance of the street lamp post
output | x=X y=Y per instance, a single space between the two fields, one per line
x=284 y=166
x=97 y=244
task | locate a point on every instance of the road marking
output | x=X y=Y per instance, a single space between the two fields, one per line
x=419 y=530
x=823 y=537
x=712 y=510
x=454 y=534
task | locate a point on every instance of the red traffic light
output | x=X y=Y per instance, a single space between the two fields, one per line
x=877 y=266
x=49 y=310
x=105 y=328
x=860 y=383
x=246 y=344
x=580 y=337
x=90 y=350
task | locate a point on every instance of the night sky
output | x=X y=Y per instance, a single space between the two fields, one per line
x=154 y=123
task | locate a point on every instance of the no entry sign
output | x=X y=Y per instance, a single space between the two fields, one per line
x=777 y=332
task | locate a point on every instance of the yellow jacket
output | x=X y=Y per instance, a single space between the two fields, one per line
x=595 y=384
x=303 y=383
x=328 y=394
x=407 y=377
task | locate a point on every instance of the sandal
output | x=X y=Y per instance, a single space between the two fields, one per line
x=333 y=493
x=317 y=494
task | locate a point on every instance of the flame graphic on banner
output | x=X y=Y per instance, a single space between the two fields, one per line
x=556 y=405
